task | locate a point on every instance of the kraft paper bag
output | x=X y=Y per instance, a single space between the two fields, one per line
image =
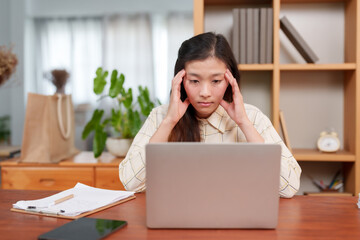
x=49 y=129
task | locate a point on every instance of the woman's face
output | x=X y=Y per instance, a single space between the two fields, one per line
x=205 y=84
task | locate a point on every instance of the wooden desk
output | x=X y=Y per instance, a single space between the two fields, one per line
x=303 y=217
x=60 y=176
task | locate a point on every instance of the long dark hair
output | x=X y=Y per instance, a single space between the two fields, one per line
x=201 y=47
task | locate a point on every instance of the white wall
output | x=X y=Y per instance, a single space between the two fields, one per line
x=17 y=33
x=325 y=34
x=4 y=40
x=12 y=23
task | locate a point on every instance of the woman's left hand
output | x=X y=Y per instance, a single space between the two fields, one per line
x=236 y=108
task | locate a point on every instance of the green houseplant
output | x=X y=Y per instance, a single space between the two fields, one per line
x=5 y=129
x=125 y=119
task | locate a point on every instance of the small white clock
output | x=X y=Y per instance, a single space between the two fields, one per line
x=328 y=142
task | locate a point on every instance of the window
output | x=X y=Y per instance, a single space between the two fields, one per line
x=142 y=46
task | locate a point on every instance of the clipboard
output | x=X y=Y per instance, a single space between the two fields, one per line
x=73 y=217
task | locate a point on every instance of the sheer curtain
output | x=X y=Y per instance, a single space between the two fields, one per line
x=128 y=48
x=143 y=46
x=169 y=31
x=73 y=44
x=179 y=28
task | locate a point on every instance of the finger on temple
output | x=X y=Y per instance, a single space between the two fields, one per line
x=233 y=82
x=230 y=79
x=179 y=77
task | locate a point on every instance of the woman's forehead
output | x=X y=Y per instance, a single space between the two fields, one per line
x=207 y=66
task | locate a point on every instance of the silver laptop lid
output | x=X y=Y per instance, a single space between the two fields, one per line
x=199 y=185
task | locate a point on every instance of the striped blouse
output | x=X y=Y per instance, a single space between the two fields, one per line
x=219 y=127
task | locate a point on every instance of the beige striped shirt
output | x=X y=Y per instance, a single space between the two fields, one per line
x=219 y=127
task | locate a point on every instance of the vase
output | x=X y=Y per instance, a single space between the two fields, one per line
x=118 y=146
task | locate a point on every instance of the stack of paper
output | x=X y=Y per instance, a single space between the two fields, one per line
x=74 y=201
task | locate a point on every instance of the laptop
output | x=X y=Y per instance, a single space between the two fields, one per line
x=200 y=185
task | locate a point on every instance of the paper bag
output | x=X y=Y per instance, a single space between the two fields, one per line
x=49 y=129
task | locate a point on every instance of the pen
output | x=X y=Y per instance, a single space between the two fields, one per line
x=46 y=212
x=55 y=202
x=334 y=179
x=318 y=184
x=62 y=199
x=337 y=187
x=335 y=183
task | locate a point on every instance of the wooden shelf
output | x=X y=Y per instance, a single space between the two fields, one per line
x=255 y=67
x=310 y=1
x=317 y=67
x=349 y=72
x=315 y=155
x=299 y=67
x=235 y=2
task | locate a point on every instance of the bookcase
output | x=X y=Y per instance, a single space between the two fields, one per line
x=344 y=75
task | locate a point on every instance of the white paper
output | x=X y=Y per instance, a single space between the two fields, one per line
x=85 y=199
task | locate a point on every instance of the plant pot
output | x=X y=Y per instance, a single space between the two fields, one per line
x=118 y=146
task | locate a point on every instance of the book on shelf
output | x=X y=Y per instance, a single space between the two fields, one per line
x=256 y=33
x=269 y=36
x=249 y=35
x=252 y=35
x=284 y=131
x=242 y=18
x=262 y=37
x=297 y=40
x=236 y=35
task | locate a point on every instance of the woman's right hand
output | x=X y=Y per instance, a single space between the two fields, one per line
x=177 y=108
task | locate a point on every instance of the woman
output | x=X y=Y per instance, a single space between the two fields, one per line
x=206 y=105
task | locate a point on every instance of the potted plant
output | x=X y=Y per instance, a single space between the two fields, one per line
x=5 y=129
x=59 y=78
x=124 y=119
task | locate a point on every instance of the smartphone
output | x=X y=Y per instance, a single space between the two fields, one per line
x=84 y=229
